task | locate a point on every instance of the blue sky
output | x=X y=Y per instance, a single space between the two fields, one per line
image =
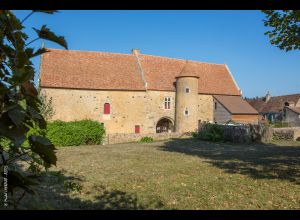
x=232 y=37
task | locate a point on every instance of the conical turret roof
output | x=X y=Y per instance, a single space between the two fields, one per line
x=189 y=70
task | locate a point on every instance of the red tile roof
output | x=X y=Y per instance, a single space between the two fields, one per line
x=236 y=105
x=275 y=104
x=160 y=73
x=189 y=70
x=90 y=70
x=102 y=70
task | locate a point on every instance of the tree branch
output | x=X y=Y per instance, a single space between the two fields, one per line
x=32 y=41
x=27 y=17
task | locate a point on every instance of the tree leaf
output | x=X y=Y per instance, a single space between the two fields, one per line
x=17 y=115
x=44 y=148
x=12 y=132
x=39 y=52
x=46 y=11
x=45 y=33
x=21 y=75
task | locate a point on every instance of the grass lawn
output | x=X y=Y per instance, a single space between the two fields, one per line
x=175 y=174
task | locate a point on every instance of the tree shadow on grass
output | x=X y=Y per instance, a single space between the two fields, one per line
x=259 y=161
x=59 y=191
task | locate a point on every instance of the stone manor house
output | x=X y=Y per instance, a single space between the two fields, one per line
x=137 y=93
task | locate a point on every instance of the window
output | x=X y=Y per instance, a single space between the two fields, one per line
x=106 y=108
x=216 y=105
x=167 y=102
x=186 y=112
x=137 y=129
x=187 y=90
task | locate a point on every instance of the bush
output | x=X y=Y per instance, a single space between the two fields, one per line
x=211 y=132
x=75 y=132
x=146 y=139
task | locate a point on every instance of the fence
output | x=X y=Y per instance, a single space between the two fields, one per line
x=243 y=132
x=258 y=133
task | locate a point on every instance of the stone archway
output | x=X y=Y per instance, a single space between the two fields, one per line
x=165 y=125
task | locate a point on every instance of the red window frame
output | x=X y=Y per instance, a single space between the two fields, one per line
x=137 y=129
x=106 y=108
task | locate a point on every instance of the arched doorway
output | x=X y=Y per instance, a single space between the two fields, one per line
x=164 y=125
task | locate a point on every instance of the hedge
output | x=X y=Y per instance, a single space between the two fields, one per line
x=76 y=133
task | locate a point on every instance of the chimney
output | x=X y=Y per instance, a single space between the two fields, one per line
x=135 y=51
x=268 y=96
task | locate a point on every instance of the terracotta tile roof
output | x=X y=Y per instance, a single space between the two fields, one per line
x=102 y=70
x=189 y=69
x=90 y=70
x=236 y=105
x=258 y=104
x=275 y=104
x=295 y=109
x=160 y=73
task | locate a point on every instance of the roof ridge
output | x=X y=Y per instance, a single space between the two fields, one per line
x=286 y=95
x=93 y=51
x=183 y=59
x=89 y=51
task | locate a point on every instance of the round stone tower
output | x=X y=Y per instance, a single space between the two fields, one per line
x=186 y=112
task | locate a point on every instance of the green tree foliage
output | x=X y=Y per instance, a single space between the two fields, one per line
x=285 y=28
x=19 y=103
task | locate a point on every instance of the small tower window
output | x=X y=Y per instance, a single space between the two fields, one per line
x=186 y=112
x=167 y=102
x=106 y=108
x=187 y=90
x=216 y=105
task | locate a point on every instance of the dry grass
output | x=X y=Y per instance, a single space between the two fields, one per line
x=176 y=174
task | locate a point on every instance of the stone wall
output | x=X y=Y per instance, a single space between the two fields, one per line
x=206 y=108
x=186 y=102
x=127 y=138
x=128 y=108
x=289 y=134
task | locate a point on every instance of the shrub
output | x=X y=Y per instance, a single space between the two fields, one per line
x=146 y=139
x=211 y=132
x=75 y=132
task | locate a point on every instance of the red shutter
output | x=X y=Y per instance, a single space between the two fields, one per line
x=137 y=129
x=106 y=108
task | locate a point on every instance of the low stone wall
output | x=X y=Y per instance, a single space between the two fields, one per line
x=292 y=133
x=127 y=138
